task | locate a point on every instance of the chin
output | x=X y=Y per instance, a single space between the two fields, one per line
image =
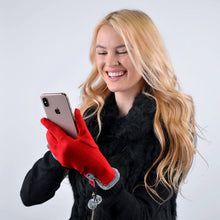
x=112 y=89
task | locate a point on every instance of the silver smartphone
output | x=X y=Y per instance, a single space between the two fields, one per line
x=58 y=110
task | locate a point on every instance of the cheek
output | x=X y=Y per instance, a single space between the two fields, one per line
x=126 y=62
x=131 y=69
x=99 y=63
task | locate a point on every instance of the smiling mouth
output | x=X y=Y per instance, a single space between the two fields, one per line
x=115 y=74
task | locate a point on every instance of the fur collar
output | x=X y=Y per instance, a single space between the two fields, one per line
x=138 y=120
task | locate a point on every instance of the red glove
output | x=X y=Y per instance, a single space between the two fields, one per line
x=82 y=153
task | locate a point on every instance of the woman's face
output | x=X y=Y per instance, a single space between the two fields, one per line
x=114 y=63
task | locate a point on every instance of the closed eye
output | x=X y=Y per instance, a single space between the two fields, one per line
x=101 y=53
x=122 y=52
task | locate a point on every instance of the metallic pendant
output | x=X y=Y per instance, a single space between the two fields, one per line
x=94 y=202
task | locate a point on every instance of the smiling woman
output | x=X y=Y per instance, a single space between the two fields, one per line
x=115 y=66
x=136 y=139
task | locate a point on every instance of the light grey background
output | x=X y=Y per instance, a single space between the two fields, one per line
x=44 y=47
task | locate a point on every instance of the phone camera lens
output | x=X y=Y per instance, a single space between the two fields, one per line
x=45 y=101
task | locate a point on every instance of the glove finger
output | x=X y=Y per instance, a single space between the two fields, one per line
x=52 y=144
x=51 y=139
x=80 y=122
x=53 y=128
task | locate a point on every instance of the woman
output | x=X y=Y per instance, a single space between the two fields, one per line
x=137 y=142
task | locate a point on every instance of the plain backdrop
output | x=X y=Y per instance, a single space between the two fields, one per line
x=44 y=47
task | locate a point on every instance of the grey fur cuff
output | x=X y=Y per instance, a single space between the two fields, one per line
x=105 y=187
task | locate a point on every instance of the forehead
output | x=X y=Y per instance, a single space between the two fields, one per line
x=108 y=37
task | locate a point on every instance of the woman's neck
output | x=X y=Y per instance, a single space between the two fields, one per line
x=124 y=102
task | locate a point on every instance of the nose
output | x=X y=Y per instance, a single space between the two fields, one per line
x=112 y=60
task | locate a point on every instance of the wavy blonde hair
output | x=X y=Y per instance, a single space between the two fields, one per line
x=175 y=109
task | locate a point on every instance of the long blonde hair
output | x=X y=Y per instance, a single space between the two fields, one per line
x=175 y=109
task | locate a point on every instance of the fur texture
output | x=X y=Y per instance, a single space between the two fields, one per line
x=129 y=144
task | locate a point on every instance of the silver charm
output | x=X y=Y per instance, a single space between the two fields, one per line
x=94 y=202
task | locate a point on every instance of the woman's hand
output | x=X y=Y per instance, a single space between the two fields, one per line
x=82 y=153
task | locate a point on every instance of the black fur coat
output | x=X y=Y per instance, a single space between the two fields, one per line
x=129 y=144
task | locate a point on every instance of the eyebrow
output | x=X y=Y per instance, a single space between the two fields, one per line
x=119 y=46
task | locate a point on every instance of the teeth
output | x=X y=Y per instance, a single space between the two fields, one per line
x=112 y=74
